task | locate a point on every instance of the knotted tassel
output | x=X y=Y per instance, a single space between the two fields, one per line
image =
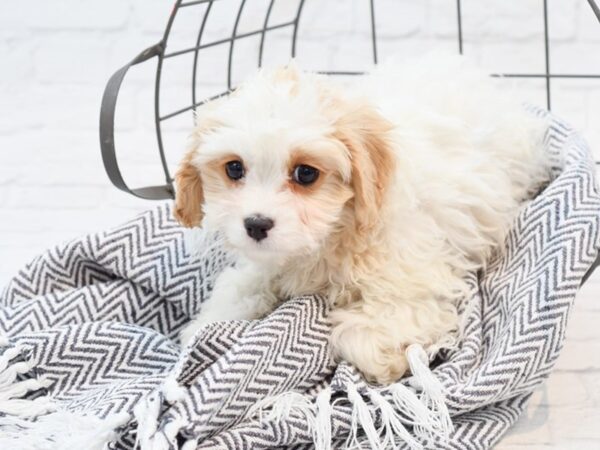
x=361 y=415
x=392 y=423
x=432 y=395
x=322 y=428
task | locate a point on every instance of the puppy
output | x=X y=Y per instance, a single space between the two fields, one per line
x=380 y=195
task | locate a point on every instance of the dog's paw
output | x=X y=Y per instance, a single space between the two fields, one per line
x=371 y=352
x=383 y=368
x=191 y=329
x=386 y=368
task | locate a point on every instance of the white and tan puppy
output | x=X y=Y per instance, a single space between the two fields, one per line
x=380 y=195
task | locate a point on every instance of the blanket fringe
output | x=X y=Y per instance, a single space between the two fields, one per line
x=8 y=355
x=279 y=407
x=322 y=429
x=361 y=415
x=13 y=390
x=392 y=424
x=147 y=412
x=432 y=392
x=395 y=409
x=60 y=430
x=317 y=414
x=34 y=424
x=425 y=424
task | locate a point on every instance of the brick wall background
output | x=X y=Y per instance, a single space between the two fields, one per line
x=56 y=57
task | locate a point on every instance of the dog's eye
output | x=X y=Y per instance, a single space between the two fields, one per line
x=305 y=174
x=235 y=170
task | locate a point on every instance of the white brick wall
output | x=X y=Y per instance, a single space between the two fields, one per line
x=55 y=58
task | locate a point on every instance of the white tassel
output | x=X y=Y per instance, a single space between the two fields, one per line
x=52 y=429
x=20 y=388
x=361 y=416
x=279 y=407
x=61 y=430
x=425 y=423
x=146 y=413
x=8 y=355
x=322 y=428
x=9 y=374
x=27 y=408
x=166 y=438
x=12 y=390
x=392 y=423
x=317 y=414
x=172 y=390
x=432 y=395
x=170 y=432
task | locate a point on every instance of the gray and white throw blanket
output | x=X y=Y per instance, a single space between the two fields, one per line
x=89 y=355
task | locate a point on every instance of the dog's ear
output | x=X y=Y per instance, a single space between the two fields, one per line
x=290 y=73
x=289 y=76
x=189 y=196
x=365 y=132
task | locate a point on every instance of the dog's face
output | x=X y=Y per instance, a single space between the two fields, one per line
x=282 y=164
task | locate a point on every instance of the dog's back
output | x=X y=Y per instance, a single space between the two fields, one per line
x=417 y=174
x=467 y=158
x=468 y=153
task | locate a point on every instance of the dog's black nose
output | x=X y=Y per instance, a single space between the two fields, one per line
x=257 y=227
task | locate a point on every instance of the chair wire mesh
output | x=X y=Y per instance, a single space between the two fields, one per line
x=163 y=54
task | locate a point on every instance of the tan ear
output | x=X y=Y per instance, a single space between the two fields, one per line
x=189 y=196
x=289 y=73
x=365 y=133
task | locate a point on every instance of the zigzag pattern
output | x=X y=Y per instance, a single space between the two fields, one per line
x=97 y=317
x=100 y=367
x=275 y=355
x=526 y=294
x=137 y=273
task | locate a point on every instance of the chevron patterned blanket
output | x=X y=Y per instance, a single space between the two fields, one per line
x=89 y=356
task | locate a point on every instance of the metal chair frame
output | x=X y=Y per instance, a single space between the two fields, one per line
x=160 y=51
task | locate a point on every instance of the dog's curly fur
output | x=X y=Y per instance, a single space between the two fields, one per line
x=420 y=176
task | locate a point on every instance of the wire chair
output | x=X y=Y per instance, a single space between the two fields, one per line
x=164 y=54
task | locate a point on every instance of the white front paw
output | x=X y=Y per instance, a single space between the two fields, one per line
x=196 y=324
x=208 y=314
x=238 y=295
x=190 y=331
